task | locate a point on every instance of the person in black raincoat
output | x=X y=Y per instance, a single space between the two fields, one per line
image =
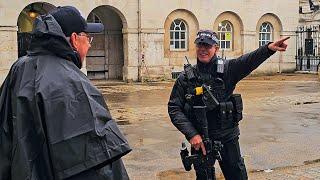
x=221 y=76
x=54 y=124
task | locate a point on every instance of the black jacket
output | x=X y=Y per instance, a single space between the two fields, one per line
x=54 y=123
x=235 y=70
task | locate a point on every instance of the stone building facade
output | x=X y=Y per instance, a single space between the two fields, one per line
x=309 y=15
x=148 y=39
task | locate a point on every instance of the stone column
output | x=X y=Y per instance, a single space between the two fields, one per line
x=249 y=41
x=154 y=67
x=131 y=55
x=8 y=49
x=287 y=59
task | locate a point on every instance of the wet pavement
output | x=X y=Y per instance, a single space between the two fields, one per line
x=305 y=172
x=281 y=125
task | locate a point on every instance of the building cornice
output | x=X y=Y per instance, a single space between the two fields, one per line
x=8 y=28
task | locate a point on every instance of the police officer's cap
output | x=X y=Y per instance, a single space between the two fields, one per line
x=206 y=36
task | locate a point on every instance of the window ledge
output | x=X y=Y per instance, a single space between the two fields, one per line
x=178 y=50
x=228 y=50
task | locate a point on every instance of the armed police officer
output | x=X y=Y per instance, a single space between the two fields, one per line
x=217 y=78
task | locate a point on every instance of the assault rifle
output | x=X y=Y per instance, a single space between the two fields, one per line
x=198 y=160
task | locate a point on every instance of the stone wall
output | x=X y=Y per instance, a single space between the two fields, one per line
x=146 y=48
x=8 y=49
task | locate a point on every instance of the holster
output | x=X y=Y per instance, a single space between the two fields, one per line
x=238 y=107
x=230 y=112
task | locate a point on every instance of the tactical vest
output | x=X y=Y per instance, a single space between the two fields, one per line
x=229 y=109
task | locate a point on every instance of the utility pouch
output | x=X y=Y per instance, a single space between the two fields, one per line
x=238 y=107
x=226 y=115
x=223 y=115
x=230 y=108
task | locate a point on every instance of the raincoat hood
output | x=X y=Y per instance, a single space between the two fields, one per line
x=49 y=37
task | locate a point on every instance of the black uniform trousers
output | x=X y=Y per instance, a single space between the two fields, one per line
x=232 y=164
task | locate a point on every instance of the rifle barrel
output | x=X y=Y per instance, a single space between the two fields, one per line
x=187 y=59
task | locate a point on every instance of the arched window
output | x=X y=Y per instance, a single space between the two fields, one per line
x=178 y=35
x=265 y=33
x=93 y=18
x=225 y=35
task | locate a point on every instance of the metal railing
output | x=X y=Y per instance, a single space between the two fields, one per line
x=308 y=48
x=175 y=74
x=308 y=63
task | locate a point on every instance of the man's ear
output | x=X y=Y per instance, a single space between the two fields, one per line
x=73 y=40
x=217 y=48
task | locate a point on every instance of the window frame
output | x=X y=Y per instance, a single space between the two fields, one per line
x=179 y=40
x=263 y=30
x=222 y=33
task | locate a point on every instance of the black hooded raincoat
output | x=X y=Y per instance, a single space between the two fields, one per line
x=54 y=124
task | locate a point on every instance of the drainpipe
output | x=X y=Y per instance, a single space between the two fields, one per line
x=280 y=56
x=280 y=61
x=139 y=40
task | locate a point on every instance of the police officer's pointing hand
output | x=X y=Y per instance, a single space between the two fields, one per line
x=279 y=45
x=196 y=143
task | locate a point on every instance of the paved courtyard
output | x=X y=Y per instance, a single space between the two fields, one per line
x=279 y=137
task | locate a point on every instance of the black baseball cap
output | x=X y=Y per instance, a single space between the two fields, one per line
x=207 y=37
x=70 y=20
